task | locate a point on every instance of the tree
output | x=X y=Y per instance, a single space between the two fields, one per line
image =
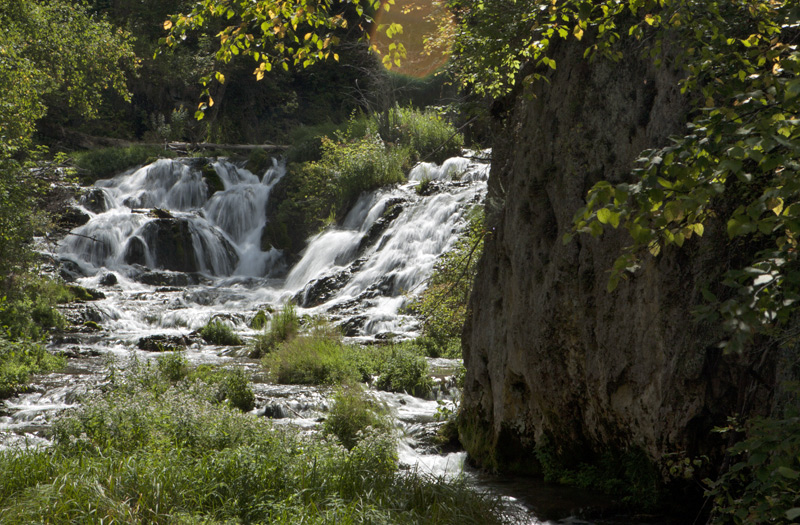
x=51 y=54
x=279 y=34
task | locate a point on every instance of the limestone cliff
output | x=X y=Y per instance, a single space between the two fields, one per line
x=549 y=353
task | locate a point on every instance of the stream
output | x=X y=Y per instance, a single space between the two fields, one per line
x=168 y=256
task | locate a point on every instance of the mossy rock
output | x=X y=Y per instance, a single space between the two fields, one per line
x=259 y=321
x=213 y=181
x=258 y=162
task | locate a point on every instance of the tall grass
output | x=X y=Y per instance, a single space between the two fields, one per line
x=283 y=326
x=218 y=333
x=135 y=454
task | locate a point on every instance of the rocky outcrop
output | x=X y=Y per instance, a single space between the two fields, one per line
x=551 y=356
x=178 y=245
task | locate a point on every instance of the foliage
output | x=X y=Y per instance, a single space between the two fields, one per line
x=276 y=35
x=429 y=136
x=761 y=485
x=353 y=412
x=107 y=162
x=259 y=321
x=404 y=371
x=443 y=304
x=736 y=162
x=218 y=333
x=134 y=456
x=626 y=473
x=283 y=326
x=311 y=360
x=27 y=311
x=20 y=359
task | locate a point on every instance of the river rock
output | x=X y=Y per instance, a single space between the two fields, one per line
x=161 y=343
x=109 y=279
x=73 y=217
x=168 y=279
x=96 y=200
x=173 y=244
x=552 y=358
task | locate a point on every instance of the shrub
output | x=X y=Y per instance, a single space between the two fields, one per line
x=107 y=162
x=761 y=484
x=173 y=366
x=218 y=333
x=405 y=371
x=19 y=360
x=259 y=321
x=132 y=455
x=443 y=304
x=353 y=411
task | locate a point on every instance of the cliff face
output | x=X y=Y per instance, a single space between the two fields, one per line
x=550 y=355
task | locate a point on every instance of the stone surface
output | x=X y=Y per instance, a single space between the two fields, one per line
x=550 y=355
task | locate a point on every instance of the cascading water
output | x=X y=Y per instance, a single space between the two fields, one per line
x=169 y=253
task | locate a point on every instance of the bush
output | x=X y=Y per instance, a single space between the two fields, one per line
x=173 y=366
x=443 y=304
x=218 y=333
x=260 y=320
x=133 y=456
x=761 y=484
x=353 y=411
x=19 y=360
x=107 y=162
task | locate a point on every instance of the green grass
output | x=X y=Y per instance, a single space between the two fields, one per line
x=283 y=326
x=354 y=412
x=218 y=333
x=321 y=358
x=139 y=454
x=107 y=162
x=311 y=360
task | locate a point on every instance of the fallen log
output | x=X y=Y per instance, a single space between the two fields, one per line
x=211 y=145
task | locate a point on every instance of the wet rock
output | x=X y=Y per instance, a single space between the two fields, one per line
x=273 y=411
x=70 y=271
x=170 y=279
x=135 y=251
x=322 y=290
x=109 y=279
x=163 y=343
x=353 y=326
x=393 y=210
x=173 y=244
x=96 y=200
x=72 y=218
x=158 y=213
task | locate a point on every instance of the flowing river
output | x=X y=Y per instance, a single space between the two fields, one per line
x=169 y=257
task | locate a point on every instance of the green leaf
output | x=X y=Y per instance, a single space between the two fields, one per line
x=604 y=215
x=786 y=472
x=793 y=514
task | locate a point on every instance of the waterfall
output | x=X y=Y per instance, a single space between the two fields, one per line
x=164 y=217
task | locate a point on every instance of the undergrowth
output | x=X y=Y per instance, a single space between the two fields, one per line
x=152 y=450
x=107 y=162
